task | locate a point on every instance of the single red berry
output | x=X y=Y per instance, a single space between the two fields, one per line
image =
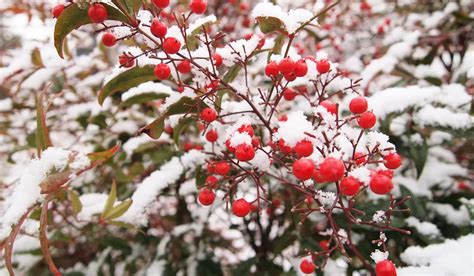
x=208 y=114
x=228 y=146
x=126 y=61
x=241 y=207
x=157 y=28
x=304 y=148
x=387 y=173
x=392 y=161
x=210 y=168
x=206 y=197
x=212 y=181
x=289 y=94
x=290 y=76
x=271 y=70
x=323 y=66
x=246 y=128
x=109 y=39
x=57 y=10
x=332 y=169
x=244 y=152
x=324 y=244
x=198 y=6
x=184 y=67
x=243 y=6
x=97 y=13
x=171 y=45
x=367 y=120
x=188 y=146
x=161 y=3
x=385 y=268
x=349 y=186
x=330 y=107
x=211 y=136
x=318 y=177
x=256 y=142
x=284 y=148
x=364 y=6
x=303 y=169
x=283 y=118
x=217 y=59
x=358 y=105
x=222 y=168
x=286 y=66
x=301 y=68
x=162 y=71
x=307 y=267
x=380 y=184
x=359 y=158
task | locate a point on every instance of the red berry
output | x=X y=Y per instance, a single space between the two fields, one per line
x=222 y=168
x=318 y=177
x=211 y=136
x=359 y=158
x=198 y=147
x=162 y=71
x=284 y=148
x=228 y=146
x=108 y=39
x=206 y=196
x=212 y=181
x=208 y=114
x=330 y=107
x=301 y=68
x=385 y=268
x=244 y=152
x=304 y=148
x=217 y=59
x=364 y=6
x=349 y=186
x=97 y=13
x=184 y=67
x=392 y=161
x=367 y=120
x=283 y=118
x=286 y=66
x=241 y=207
x=324 y=244
x=126 y=61
x=246 y=128
x=198 y=6
x=387 y=173
x=332 y=169
x=380 y=184
x=171 y=45
x=256 y=142
x=290 y=76
x=161 y=3
x=323 y=66
x=307 y=267
x=57 y=10
x=358 y=105
x=157 y=28
x=303 y=169
x=289 y=94
x=271 y=70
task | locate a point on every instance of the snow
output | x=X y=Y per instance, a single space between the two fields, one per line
x=458 y=217
x=437 y=116
x=292 y=19
x=293 y=130
x=379 y=256
x=92 y=204
x=425 y=228
x=240 y=139
x=147 y=87
x=6 y=104
x=362 y=174
x=238 y=50
x=379 y=216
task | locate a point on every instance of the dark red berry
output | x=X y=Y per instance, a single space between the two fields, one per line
x=184 y=67
x=318 y=177
x=284 y=148
x=97 y=13
x=358 y=105
x=380 y=184
x=222 y=168
x=211 y=181
x=359 y=158
x=109 y=39
x=206 y=196
x=208 y=114
x=307 y=267
x=171 y=45
x=241 y=207
x=392 y=161
x=349 y=186
x=332 y=169
x=289 y=94
x=367 y=120
x=303 y=169
x=126 y=61
x=244 y=152
x=211 y=136
x=157 y=28
x=304 y=148
x=162 y=71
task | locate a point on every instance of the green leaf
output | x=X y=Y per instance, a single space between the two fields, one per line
x=126 y=80
x=131 y=6
x=415 y=204
x=74 y=17
x=209 y=267
x=269 y=24
x=110 y=201
x=123 y=224
x=76 y=203
x=36 y=58
x=434 y=81
x=42 y=135
x=182 y=126
x=142 y=98
x=419 y=154
x=119 y=210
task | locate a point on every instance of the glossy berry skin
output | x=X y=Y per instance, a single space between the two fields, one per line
x=109 y=39
x=211 y=136
x=184 y=67
x=97 y=13
x=358 y=105
x=385 y=268
x=162 y=71
x=289 y=94
x=304 y=148
x=206 y=197
x=392 y=161
x=217 y=59
x=126 y=61
x=303 y=169
x=359 y=158
x=330 y=107
x=161 y=3
x=157 y=28
x=171 y=45
x=323 y=66
x=57 y=10
x=307 y=267
x=211 y=181
x=290 y=76
x=284 y=148
x=318 y=177
x=301 y=68
x=349 y=186
x=208 y=114
x=222 y=168
x=271 y=70
x=241 y=207
x=244 y=152
x=286 y=66
x=367 y=120
x=332 y=169
x=246 y=128
x=198 y=6
x=380 y=184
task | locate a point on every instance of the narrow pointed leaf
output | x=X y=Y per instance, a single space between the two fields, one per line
x=119 y=210
x=143 y=98
x=75 y=202
x=110 y=201
x=42 y=135
x=100 y=157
